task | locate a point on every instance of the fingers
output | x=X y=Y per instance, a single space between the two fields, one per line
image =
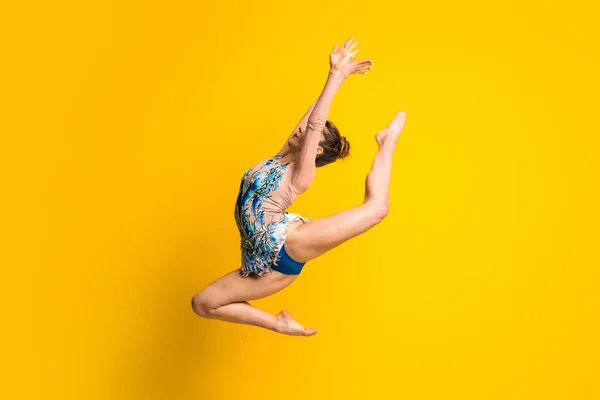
x=347 y=43
x=364 y=62
x=347 y=47
x=362 y=67
x=350 y=55
x=346 y=54
x=363 y=71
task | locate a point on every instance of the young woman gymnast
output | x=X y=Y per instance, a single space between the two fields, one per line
x=276 y=244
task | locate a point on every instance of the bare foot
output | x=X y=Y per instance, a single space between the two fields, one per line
x=287 y=325
x=393 y=130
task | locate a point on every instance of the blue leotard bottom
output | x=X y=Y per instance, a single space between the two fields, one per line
x=286 y=265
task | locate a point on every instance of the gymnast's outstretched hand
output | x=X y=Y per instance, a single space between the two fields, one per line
x=341 y=61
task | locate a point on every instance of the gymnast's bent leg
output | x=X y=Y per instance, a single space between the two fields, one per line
x=226 y=299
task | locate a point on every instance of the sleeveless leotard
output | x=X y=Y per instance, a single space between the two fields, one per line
x=265 y=193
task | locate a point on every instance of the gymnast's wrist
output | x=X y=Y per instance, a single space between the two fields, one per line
x=337 y=73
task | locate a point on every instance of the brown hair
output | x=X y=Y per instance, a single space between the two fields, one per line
x=334 y=146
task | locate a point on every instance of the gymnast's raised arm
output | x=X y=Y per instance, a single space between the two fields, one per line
x=342 y=64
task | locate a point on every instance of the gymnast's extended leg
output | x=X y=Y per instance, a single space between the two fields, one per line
x=307 y=241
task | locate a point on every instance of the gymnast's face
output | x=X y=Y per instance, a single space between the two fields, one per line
x=298 y=137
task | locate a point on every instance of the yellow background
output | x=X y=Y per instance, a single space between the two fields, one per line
x=126 y=128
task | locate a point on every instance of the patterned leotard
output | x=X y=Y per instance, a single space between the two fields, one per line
x=265 y=193
x=270 y=187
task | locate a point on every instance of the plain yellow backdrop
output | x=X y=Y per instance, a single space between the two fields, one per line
x=127 y=126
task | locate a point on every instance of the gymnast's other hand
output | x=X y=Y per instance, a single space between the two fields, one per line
x=341 y=61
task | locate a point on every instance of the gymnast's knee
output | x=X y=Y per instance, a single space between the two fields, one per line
x=201 y=305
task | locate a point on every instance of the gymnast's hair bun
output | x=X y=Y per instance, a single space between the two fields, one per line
x=343 y=148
